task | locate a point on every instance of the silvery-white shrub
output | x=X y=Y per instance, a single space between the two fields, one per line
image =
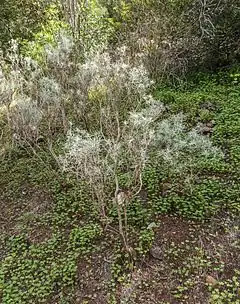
x=24 y=118
x=49 y=91
x=103 y=84
x=98 y=159
x=177 y=146
x=84 y=157
x=103 y=70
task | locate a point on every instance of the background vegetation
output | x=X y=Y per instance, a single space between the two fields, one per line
x=119 y=151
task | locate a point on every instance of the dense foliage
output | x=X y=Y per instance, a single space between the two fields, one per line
x=20 y=20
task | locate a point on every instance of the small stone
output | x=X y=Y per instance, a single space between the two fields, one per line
x=156 y=252
x=209 y=124
x=211 y=280
x=121 y=198
x=206 y=130
x=207 y=105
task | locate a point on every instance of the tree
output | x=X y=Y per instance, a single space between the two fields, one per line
x=19 y=20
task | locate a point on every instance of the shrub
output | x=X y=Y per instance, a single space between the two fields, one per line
x=179 y=36
x=99 y=159
x=24 y=119
x=63 y=89
x=121 y=148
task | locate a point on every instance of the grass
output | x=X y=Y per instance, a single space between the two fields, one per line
x=54 y=249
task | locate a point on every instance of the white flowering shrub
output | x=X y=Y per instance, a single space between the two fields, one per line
x=50 y=99
x=172 y=134
x=84 y=157
x=101 y=159
x=49 y=91
x=105 y=95
x=143 y=134
x=102 y=69
x=20 y=112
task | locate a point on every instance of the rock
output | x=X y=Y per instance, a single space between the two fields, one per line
x=211 y=280
x=210 y=124
x=156 y=252
x=206 y=130
x=208 y=106
x=121 y=197
x=106 y=273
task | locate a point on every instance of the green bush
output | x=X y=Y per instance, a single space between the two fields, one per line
x=20 y=20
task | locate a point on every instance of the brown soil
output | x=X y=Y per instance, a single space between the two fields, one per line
x=153 y=280
x=20 y=214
